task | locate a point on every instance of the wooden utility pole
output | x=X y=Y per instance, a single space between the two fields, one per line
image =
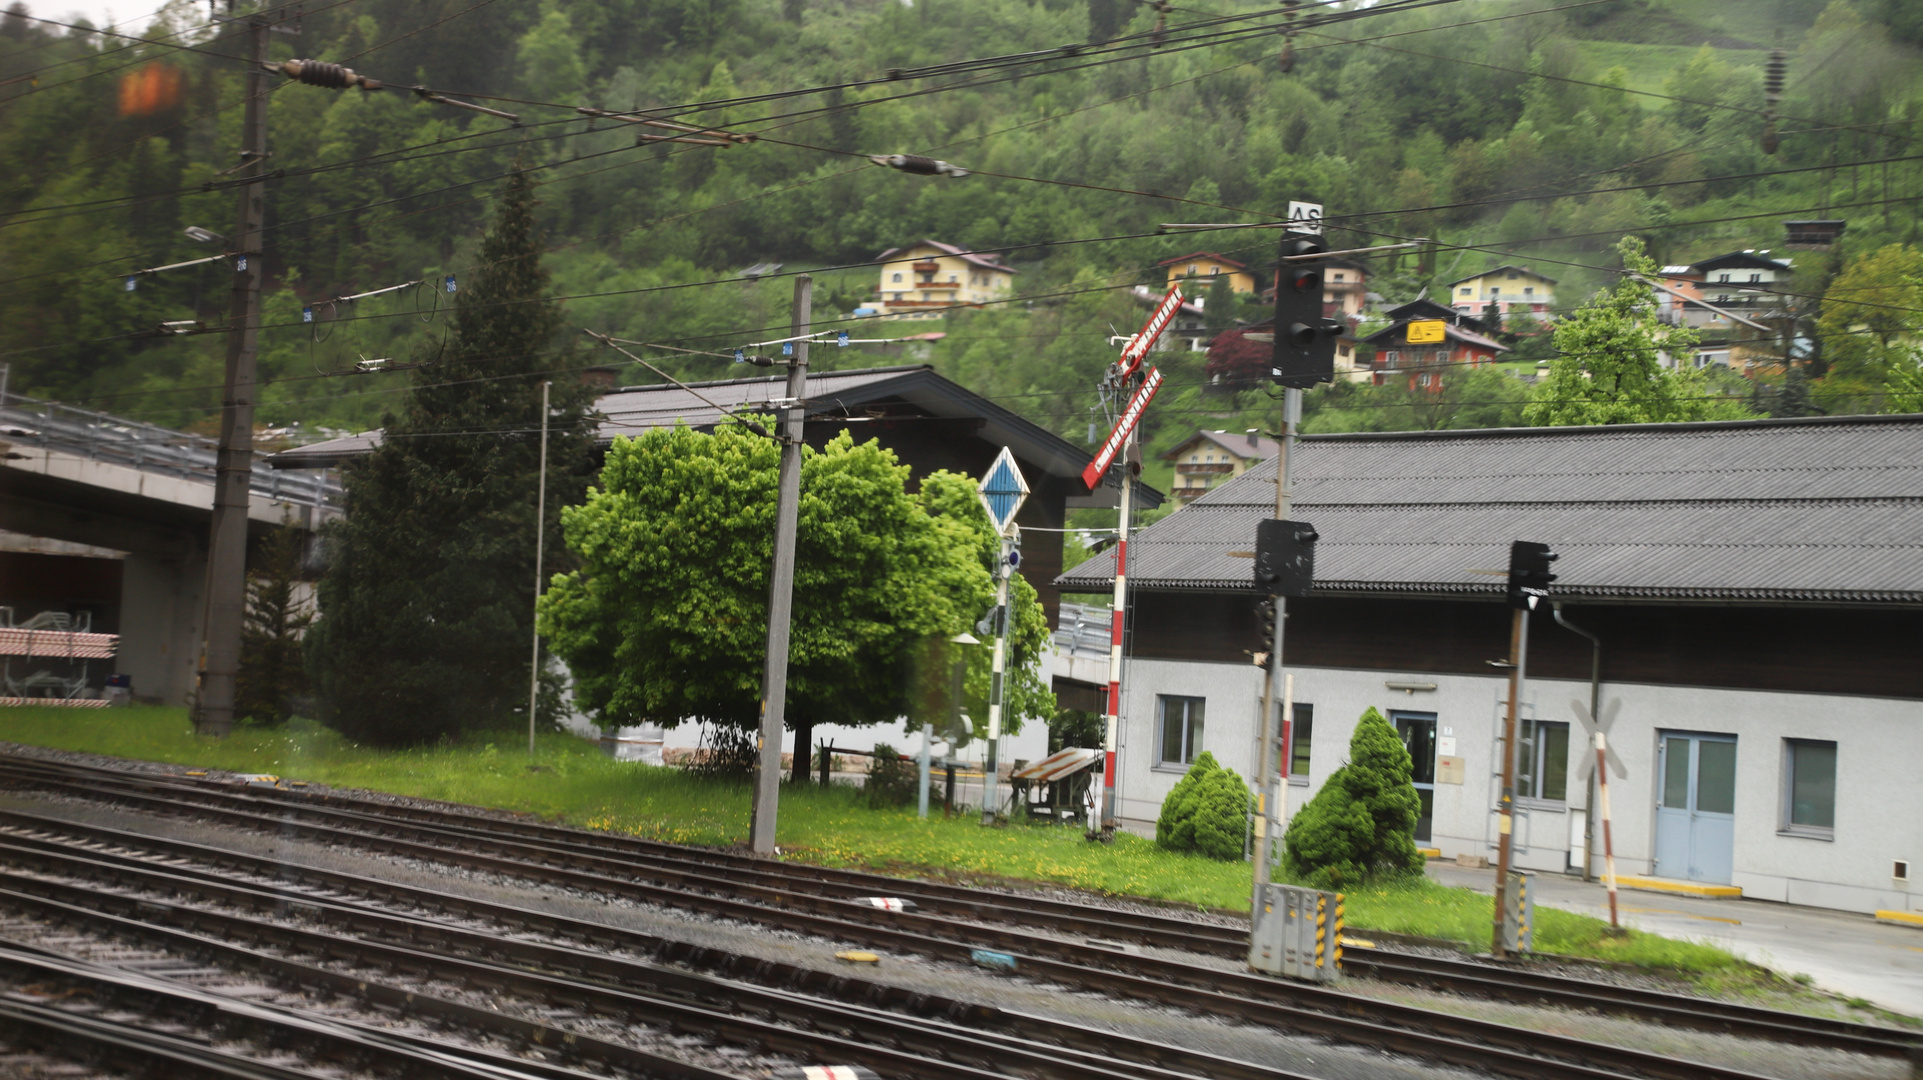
x=1505 y=821
x=226 y=599
x=781 y=587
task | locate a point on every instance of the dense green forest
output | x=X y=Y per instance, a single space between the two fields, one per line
x=1524 y=131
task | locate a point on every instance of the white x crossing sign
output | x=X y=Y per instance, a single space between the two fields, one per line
x=1593 y=727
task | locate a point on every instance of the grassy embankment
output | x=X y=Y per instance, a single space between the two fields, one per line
x=569 y=780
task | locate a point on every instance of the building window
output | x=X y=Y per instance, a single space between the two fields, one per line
x=1192 y=270
x=1495 y=291
x=1754 y=278
x=1181 y=722
x=1465 y=292
x=1214 y=270
x=1722 y=277
x=1542 y=768
x=1392 y=356
x=1529 y=290
x=1809 y=782
x=897 y=279
x=1422 y=380
x=1301 y=735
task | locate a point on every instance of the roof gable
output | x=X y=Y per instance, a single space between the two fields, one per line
x=989 y=261
x=1236 y=443
x=1201 y=256
x=1742 y=260
x=1504 y=269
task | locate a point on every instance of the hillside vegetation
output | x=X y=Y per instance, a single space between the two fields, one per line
x=1525 y=128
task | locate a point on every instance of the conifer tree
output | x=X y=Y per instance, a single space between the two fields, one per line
x=427 y=601
x=1362 y=823
x=272 y=674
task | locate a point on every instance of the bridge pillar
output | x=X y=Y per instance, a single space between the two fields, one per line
x=161 y=607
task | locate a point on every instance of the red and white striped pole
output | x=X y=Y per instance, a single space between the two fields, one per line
x=1114 y=717
x=1609 y=842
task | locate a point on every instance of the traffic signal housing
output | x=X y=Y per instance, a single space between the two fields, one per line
x=1304 y=339
x=1529 y=575
x=1284 y=557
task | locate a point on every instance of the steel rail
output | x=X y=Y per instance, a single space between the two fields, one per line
x=1405 y=1029
x=181 y=926
x=975 y=1016
x=1512 y=982
x=596 y=980
x=130 y=1050
x=330 y=1039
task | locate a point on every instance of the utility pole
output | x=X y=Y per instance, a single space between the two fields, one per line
x=540 y=544
x=1271 y=807
x=226 y=599
x=991 y=772
x=781 y=585
x=1505 y=822
x=1528 y=586
x=1112 y=723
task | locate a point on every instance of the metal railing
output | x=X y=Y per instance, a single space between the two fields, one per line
x=1083 y=630
x=98 y=436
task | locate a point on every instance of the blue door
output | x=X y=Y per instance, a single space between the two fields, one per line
x=1696 y=807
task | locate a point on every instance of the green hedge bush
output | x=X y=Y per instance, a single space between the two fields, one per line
x=1362 y=824
x=1206 y=813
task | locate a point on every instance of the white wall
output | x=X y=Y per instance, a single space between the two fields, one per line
x=1879 y=801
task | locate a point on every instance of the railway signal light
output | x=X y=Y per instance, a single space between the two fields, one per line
x=1304 y=339
x=1284 y=557
x=1529 y=575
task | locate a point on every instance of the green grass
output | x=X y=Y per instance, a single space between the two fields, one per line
x=569 y=780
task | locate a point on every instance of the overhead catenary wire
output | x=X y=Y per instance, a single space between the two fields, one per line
x=642 y=290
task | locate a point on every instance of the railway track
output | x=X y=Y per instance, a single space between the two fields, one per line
x=770 y=893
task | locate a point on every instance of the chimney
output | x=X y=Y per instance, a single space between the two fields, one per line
x=1253 y=437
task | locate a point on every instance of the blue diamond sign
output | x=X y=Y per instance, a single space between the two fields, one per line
x=1004 y=491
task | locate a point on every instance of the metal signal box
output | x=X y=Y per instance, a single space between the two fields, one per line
x=1297 y=933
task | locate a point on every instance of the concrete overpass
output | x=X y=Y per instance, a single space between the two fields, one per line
x=142 y=495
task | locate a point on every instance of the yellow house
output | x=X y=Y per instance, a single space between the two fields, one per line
x=1198 y=271
x=921 y=279
x=1211 y=458
x=1520 y=291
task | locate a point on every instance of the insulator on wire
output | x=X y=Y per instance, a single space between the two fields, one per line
x=323 y=74
x=1773 y=73
x=921 y=166
x=1287 y=60
x=1160 y=36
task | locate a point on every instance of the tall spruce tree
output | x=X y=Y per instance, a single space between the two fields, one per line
x=427 y=601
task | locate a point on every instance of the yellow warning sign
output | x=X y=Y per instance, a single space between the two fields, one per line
x=1426 y=332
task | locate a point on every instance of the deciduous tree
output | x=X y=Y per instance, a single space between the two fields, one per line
x=1609 y=365
x=666 y=619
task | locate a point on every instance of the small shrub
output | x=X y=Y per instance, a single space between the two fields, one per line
x=891 y=781
x=726 y=753
x=1206 y=812
x=1362 y=824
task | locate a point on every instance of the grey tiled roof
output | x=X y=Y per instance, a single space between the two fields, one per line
x=1826 y=510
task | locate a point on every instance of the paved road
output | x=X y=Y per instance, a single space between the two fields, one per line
x=1848 y=954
